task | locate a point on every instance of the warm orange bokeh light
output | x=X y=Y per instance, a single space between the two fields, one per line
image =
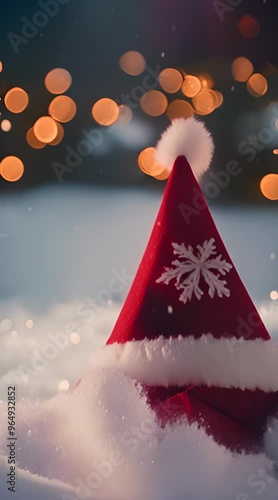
x=6 y=125
x=204 y=102
x=218 y=98
x=11 y=168
x=33 y=141
x=257 y=85
x=206 y=81
x=275 y=151
x=105 y=111
x=125 y=115
x=163 y=176
x=58 y=81
x=133 y=63
x=170 y=80
x=154 y=103
x=242 y=69
x=16 y=100
x=62 y=108
x=1 y=66
x=46 y=129
x=191 y=86
x=179 y=109
x=60 y=135
x=269 y=186
x=148 y=163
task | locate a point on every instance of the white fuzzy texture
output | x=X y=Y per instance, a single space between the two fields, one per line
x=226 y=363
x=103 y=442
x=186 y=137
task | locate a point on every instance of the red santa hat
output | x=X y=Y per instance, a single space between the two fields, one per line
x=188 y=331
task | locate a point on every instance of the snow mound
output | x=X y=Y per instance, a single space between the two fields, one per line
x=101 y=440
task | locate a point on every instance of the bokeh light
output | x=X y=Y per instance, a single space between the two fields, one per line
x=58 y=81
x=64 y=385
x=275 y=151
x=16 y=100
x=62 y=108
x=248 y=26
x=11 y=168
x=60 y=135
x=274 y=295
x=204 y=102
x=148 y=163
x=154 y=103
x=179 y=109
x=6 y=125
x=191 y=86
x=170 y=80
x=269 y=186
x=46 y=129
x=29 y=323
x=1 y=66
x=133 y=63
x=6 y=324
x=105 y=111
x=163 y=175
x=242 y=69
x=218 y=98
x=257 y=85
x=33 y=141
x=125 y=114
x=206 y=81
x=74 y=338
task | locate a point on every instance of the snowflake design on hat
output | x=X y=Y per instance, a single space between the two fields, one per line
x=189 y=268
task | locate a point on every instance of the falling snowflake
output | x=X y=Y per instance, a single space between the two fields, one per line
x=189 y=268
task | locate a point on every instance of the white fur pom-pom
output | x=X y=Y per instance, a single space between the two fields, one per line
x=186 y=137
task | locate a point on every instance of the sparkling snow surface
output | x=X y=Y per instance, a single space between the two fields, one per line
x=59 y=250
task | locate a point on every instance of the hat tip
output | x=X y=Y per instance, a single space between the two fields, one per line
x=186 y=137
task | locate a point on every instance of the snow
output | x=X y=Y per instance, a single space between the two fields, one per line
x=56 y=268
x=33 y=487
x=103 y=440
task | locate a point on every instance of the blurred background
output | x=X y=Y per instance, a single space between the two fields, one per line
x=181 y=50
x=86 y=89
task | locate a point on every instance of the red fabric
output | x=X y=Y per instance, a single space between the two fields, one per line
x=225 y=430
x=145 y=313
x=235 y=418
